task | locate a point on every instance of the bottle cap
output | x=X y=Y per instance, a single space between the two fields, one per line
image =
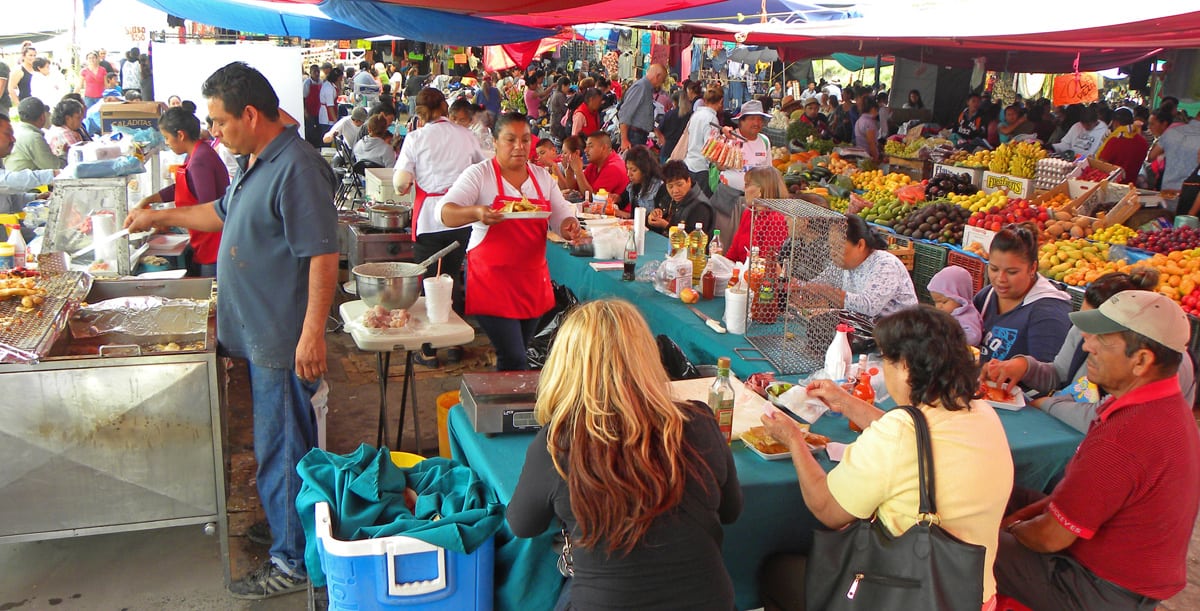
x=723 y=362
x=844 y=328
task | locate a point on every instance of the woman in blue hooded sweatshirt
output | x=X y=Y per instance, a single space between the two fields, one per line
x=1023 y=314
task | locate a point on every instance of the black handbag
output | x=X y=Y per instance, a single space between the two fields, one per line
x=862 y=566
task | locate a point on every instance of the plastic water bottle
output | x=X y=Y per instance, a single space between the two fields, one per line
x=838 y=356
x=715 y=247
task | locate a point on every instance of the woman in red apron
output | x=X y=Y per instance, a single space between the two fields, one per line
x=201 y=179
x=430 y=160
x=508 y=280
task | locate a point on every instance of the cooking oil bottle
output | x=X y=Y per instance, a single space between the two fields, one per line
x=678 y=238
x=697 y=252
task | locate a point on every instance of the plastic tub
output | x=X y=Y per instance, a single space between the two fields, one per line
x=445 y=401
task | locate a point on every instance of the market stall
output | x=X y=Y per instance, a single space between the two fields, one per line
x=118 y=425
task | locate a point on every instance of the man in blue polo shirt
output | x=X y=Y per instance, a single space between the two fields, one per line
x=278 y=267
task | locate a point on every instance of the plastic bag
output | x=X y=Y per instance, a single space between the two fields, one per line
x=547 y=327
x=720 y=266
x=649 y=273
x=108 y=168
x=609 y=243
x=675 y=274
x=147 y=137
x=674 y=360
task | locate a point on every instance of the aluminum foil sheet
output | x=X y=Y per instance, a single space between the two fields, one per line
x=141 y=316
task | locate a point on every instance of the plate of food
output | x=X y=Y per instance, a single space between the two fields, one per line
x=523 y=209
x=760 y=442
x=1002 y=399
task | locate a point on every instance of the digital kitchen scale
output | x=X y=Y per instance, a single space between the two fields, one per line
x=500 y=402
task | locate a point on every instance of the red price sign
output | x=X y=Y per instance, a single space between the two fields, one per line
x=1075 y=89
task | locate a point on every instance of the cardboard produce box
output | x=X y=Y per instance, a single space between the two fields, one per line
x=975 y=174
x=136 y=115
x=1016 y=187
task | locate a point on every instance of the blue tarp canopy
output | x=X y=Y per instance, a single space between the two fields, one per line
x=348 y=20
x=261 y=18
x=427 y=25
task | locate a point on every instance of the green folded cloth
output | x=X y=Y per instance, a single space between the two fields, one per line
x=455 y=510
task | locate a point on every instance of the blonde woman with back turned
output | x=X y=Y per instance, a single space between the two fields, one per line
x=641 y=483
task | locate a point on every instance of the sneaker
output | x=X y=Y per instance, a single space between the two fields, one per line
x=260 y=533
x=268 y=581
x=427 y=360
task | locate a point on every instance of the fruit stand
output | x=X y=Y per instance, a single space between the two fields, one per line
x=1084 y=218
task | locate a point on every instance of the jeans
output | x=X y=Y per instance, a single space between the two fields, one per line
x=285 y=429
x=510 y=337
x=638 y=136
x=701 y=178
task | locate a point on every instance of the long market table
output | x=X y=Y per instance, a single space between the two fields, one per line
x=774 y=519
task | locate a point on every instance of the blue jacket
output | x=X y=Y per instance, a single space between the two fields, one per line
x=1036 y=328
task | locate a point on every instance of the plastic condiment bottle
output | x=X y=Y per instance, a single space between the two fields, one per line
x=708 y=284
x=838 y=356
x=733 y=280
x=600 y=200
x=863 y=390
x=720 y=399
x=18 y=241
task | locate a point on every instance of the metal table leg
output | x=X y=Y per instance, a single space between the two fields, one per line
x=383 y=362
x=410 y=389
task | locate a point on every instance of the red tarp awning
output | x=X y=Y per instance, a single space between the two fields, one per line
x=1098 y=48
x=545 y=13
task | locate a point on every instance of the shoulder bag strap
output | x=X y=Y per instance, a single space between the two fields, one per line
x=928 y=506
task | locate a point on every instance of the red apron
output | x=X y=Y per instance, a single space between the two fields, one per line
x=507 y=273
x=205 y=244
x=420 y=195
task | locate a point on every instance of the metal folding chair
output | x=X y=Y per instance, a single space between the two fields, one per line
x=351 y=185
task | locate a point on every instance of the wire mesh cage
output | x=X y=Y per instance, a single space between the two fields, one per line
x=795 y=298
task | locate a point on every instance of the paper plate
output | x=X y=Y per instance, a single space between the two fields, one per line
x=1015 y=403
x=526 y=215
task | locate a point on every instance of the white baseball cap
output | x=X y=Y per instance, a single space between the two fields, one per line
x=1149 y=314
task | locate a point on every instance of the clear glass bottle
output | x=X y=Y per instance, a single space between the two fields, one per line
x=720 y=399
x=630 y=267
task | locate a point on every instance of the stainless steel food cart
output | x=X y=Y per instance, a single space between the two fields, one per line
x=101 y=438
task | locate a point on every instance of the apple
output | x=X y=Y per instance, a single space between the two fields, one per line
x=689 y=295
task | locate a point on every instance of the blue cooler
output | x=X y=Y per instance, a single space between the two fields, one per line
x=402 y=572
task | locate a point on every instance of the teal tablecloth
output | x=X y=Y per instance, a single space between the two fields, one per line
x=774 y=519
x=665 y=315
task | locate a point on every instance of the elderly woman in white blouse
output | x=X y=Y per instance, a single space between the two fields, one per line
x=865 y=278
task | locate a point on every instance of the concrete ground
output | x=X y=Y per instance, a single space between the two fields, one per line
x=179 y=569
